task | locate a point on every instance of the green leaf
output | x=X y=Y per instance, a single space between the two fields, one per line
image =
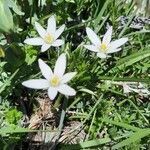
x=15 y=8
x=121 y=124
x=99 y=16
x=130 y=60
x=13 y=129
x=87 y=144
x=6 y=18
x=13 y=116
x=92 y=143
x=133 y=138
x=31 y=55
x=87 y=91
x=2 y=88
x=125 y=79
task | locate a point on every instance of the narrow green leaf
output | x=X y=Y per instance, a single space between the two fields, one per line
x=87 y=91
x=130 y=60
x=2 y=88
x=133 y=138
x=11 y=130
x=6 y=17
x=138 y=32
x=87 y=144
x=121 y=124
x=14 y=6
x=99 y=17
x=127 y=24
x=92 y=143
x=125 y=79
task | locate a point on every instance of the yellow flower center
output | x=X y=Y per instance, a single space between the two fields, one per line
x=48 y=38
x=55 y=81
x=103 y=47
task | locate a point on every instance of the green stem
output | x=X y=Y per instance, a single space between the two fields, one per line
x=48 y=54
x=61 y=122
x=58 y=102
x=63 y=113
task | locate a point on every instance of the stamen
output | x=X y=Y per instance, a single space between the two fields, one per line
x=48 y=38
x=103 y=47
x=55 y=81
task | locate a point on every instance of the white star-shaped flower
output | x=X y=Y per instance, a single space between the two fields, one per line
x=48 y=37
x=54 y=81
x=104 y=47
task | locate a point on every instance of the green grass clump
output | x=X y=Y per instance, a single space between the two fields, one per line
x=101 y=115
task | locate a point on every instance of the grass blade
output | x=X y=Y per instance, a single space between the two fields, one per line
x=121 y=124
x=130 y=60
x=133 y=138
x=2 y=88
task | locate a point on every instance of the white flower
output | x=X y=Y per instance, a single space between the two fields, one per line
x=54 y=81
x=48 y=37
x=104 y=47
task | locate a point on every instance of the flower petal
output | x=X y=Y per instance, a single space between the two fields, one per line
x=116 y=44
x=45 y=47
x=59 y=31
x=60 y=65
x=101 y=55
x=93 y=37
x=113 y=50
x=40 y=29
x=36 y=84
x=107 y=36
x=52 y=93
x=58 y=43
x=45 y=69
x=91 y=48
x=51 y=28
x=66 y=90
x=34 y=41
x=68 y=76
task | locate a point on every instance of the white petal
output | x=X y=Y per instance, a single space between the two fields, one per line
x=101 y=55
x=36 y=84
x=40 y=29
x=45 y=69
x=91 y=48
x=34 y=41
x=116 y=44
x=51 y=28
x=60 y=65
x=58 y=43
x=45 y=47
x=107 y=36
x=66 y=90
x=93 y=37
x=52 y=93
x=59 y=31
x=68 y=76
x=113 y=50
